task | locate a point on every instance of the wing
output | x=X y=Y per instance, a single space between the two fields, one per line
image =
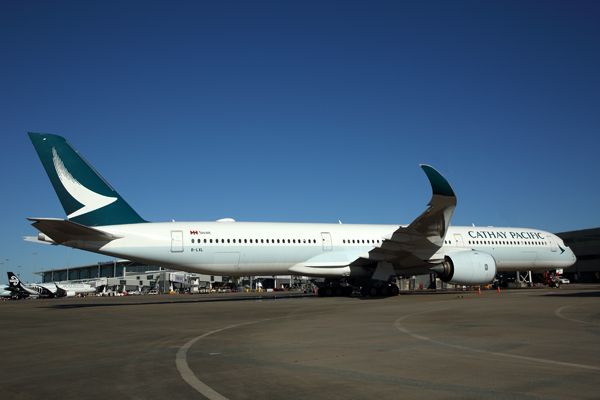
x=60 y=292
x=408 y=246
x=61 y=231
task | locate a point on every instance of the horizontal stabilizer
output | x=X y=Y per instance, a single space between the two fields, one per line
x=61 y=231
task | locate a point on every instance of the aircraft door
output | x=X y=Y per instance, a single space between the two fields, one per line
x=552 y=243
x=176 y=241
x=458 y=240
x=326 y=236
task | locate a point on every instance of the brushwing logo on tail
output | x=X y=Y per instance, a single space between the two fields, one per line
x=91 y=200
x=14 y=281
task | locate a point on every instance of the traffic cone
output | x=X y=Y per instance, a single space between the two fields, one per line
x=498 y=289
x=479 y=291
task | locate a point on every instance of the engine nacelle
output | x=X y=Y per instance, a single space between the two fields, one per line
x=71 y=293
x=467 y=268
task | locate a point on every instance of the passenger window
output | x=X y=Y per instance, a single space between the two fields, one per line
x=262 y=240
x=192 y=240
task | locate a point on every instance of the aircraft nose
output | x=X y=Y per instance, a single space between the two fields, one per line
x=573 y=256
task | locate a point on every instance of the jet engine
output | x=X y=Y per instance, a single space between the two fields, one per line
x=467 y=268
x=71 y=293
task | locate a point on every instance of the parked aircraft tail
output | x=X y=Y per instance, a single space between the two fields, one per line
x=85 y=196
x=13 y=280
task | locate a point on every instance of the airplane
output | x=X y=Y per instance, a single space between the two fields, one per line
x=19 y=290
x=71 y=289
x=46 y=290
x=4 y=292
x=349 y=256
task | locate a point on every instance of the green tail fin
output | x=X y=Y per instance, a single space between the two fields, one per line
x=85 y=196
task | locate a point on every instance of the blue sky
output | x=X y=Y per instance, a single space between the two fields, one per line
x=303 y=111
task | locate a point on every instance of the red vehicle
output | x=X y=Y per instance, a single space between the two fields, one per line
x=551 y=279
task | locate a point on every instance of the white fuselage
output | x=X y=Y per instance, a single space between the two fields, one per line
x=253 y=248
x=71 y=289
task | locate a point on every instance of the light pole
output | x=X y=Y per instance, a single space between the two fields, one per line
x=34 y=257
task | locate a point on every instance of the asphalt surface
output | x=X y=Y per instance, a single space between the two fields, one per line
x=517 y=344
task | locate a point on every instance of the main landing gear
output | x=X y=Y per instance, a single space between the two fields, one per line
x=337 y=291
x=383 y=290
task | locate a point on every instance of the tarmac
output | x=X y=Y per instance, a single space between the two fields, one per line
x=534 y=343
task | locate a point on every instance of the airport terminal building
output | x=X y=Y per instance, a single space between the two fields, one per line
x=128 y=276
x=585 y=243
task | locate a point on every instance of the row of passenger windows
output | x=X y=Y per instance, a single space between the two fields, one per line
x=360 y=241
x=502 y=242
x=294 y=241
x=256 y=241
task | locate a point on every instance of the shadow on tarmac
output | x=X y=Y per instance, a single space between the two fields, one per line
x=576 y=294
x=212 y=300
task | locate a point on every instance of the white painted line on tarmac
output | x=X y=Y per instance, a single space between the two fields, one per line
x=398 y=325
x=188 y=375
x=558 y=313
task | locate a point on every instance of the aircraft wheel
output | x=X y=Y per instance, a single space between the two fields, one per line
x=384 y=290
x=364 y=292
x=328 y=292
x=373 y=291
x=394 y=290
x=338 y=291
